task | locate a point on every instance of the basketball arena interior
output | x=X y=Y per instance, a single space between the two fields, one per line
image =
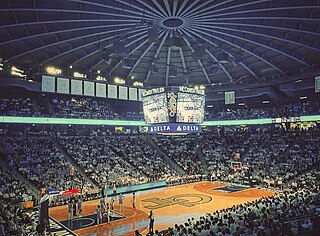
x=160 y=117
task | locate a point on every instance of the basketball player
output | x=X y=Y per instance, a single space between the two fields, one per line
x=120 y=199
x=112 y=203
x=102 y=203
x=114 y=188
x=70 y=210
x=99 y=215
x=80 y=206
x=133 y=200
x=151 y=217
x=107 y=214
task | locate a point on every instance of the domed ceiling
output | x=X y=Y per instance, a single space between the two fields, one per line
x=165 y=42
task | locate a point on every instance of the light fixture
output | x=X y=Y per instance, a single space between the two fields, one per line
x=70 y=66
x=265 y=102
x=209 y=106
x=138 y=84
x=298 y=81
x=303 y=97
x=98 y=71
x=118 y=80
x=53 y=71
x=241 y=104
x=101 y=78
x=17 y=72
x=132 y=76
x=79 y=75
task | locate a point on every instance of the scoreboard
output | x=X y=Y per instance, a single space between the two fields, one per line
x=173 y=105
x=190 y=108
x=155 y=109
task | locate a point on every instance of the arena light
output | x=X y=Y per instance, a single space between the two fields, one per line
x=303 y=97
x=209 y=106
x=118 y=80
x=17 y=72
x=132 y=77
x=100 y=78
x=79 y=75
x=241 y=104
x=53 y=70
x=265 y=102
x=98 y=71
x=138 y=84
x=298 y=81
x=70 y=66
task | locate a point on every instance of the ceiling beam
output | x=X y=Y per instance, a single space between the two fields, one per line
x=67 y=40
x=145 y=14
x=235 y=45
x=168 y=8
x=168 y=66
x=71 y=30
x=199 y=61
x=254 y=42
x=129 y=4
x=183 y=60
x=207 y=11
x=142 y=56
x=156 y=54
x=151 y=8
x=86 y=45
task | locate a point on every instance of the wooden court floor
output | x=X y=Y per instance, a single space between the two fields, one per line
x=170 y=205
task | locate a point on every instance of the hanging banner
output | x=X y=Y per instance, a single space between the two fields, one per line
x=48 y=84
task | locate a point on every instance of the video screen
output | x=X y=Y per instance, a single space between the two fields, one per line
x=155 y=109
x=190 y=108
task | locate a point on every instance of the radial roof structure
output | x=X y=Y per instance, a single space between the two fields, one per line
x=166 y=42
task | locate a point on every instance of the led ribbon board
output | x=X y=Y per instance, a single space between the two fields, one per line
x=72 y=121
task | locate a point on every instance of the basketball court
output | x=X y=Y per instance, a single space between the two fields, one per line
x=170 y=205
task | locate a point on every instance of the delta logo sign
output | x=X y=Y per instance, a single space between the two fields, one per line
x=175 y=128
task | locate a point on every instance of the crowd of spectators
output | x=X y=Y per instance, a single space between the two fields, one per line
x=99 y=108
x=17 y=107
x=12 y=190
x=96 y=157
x=13 y=218
x=143 y=157
x=274 y=215
x=220 y=148
x=40 y=161
x=83 y=107
x=274 y=158
x=183 y=151
x=121 y=159
x=269 y=159
x=282 y=111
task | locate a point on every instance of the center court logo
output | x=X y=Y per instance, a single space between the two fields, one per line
x=187 y=200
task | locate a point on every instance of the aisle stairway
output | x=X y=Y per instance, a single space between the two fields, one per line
x=200 y=154
x=18 y=175
x=165 y=157
x=76 y=166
